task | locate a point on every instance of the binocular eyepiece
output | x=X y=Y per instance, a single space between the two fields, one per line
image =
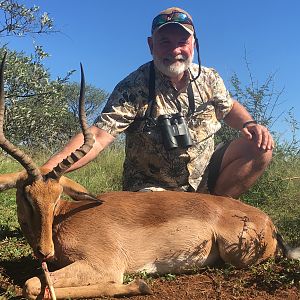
x=175 y=132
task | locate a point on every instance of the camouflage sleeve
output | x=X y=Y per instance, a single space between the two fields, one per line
x=222 y=100
x=119 y=111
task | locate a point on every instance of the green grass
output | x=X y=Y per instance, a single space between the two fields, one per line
x=103 y=174
x=12 y=243
x=277 y=193
x=8 y=165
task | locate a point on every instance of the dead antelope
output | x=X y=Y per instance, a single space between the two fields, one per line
x=94 y=241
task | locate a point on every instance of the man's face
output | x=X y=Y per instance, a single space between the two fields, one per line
x=172 y=49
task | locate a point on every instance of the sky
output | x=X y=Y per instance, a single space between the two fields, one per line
x=110 y=39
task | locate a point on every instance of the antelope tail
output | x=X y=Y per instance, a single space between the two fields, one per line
x=288 y=252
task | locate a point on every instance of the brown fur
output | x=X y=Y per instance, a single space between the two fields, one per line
x=95 y=243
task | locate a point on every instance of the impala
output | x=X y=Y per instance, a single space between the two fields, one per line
x=95 y=240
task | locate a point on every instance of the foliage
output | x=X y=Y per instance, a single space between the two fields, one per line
x=127 y=278
x=262 y=102
x=94 y=98
x=274 y=275
x=34 y=104
x=20 y=20
x=280 y=179
x=104 y=173
x=42 y=113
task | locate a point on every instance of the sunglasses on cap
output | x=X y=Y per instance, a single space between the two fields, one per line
x=175 y=16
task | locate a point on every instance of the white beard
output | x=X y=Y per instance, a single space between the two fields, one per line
x=173 y=66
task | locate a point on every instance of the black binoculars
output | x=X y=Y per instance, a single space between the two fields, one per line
x=175 y=132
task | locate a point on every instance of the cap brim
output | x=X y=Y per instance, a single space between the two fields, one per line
x=185 y=27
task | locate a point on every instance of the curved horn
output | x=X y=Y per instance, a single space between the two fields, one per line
x=32 y=170
x=64 y=165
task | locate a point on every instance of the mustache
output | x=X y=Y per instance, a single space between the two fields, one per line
x=177 y=57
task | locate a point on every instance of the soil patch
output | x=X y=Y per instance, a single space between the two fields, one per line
x=219 y=284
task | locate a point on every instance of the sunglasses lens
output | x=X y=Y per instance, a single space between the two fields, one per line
x=181 y=18
x=159 y=20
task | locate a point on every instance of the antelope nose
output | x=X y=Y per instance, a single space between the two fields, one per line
x=42 y=254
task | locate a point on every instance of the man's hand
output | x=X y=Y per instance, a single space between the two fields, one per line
x=259 y=134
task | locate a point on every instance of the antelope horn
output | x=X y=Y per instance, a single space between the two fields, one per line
x=64 y=165
x=32 y=170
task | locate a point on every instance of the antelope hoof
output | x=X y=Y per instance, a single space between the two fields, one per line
x=32 y=288
x=143 y=287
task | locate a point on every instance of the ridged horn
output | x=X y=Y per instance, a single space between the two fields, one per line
x=65 y=164
x=32 y=170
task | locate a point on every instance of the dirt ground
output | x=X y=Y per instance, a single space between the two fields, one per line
x=203 y=286
x=220 y=284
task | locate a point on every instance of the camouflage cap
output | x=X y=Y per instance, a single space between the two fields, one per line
x=173 y=15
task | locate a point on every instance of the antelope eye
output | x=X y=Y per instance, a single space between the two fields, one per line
x=24 y=224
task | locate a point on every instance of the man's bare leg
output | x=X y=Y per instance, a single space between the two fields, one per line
x=243 y=163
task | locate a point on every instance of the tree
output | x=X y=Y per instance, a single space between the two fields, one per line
x=94 y=99
x=36 y=114
x=262 y=102
x=40 y=112
x=259 y=100
x=19 y=20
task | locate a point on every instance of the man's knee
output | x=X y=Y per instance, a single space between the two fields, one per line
x=246 y=152
x=260 y=156
x=249 y=148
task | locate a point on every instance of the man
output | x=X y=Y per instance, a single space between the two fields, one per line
x=170 y=110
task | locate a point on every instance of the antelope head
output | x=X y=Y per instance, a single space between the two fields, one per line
x=39 y=191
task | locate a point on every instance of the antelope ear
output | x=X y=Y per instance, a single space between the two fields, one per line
x=9 y=181
x=76 y=191
x=71 y=185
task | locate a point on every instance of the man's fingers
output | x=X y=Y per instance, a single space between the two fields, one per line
x=260 y=135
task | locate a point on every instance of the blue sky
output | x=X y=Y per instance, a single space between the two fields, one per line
x=109 y=38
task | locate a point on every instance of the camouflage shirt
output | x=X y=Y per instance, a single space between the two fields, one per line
x=147 y=162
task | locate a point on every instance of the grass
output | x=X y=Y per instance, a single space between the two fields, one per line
x=277 y=193
x=104 y=173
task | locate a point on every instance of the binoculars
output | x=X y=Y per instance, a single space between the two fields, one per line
x=175 y=132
